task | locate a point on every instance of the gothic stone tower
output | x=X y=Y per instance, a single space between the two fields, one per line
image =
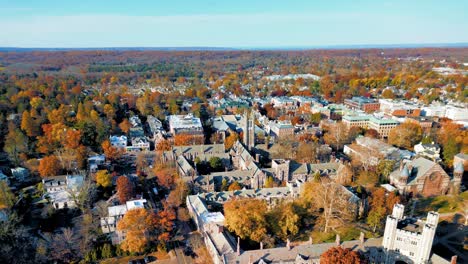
x=408 y=239
x=248 y=129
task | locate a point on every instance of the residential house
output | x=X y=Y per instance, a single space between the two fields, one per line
x=61 y=189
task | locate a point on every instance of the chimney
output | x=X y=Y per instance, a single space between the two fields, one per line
x=257 y=158
x=220 y=229
x=362 y=238
x=454 y=260
x=250 y=259
x=238 y=246
x=288 y=244
x=261 y=245
x=310 y=240
x=338 y=242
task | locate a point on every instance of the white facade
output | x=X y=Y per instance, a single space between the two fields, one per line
x=109 y=223
x=118 y=141
x=456 y=113
x=59 y=190
x=408 y=239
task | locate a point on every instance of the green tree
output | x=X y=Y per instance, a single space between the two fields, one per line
x=7 y=198
x=106 y=251
x=374 y=219
x=451 y=148
x=216 y=163
x=16 y=143
x=384 y=168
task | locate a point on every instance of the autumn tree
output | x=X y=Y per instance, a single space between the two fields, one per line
x=187 y=139
x=103 y=178
x=372 y=133
x=27 y=124
x=339 y=255
x=246 y=218
x=136 y=224
x=124 y=189
x=178 y=195
x=406 y=135
x=16 y=143
x=235 y=186
x=163 y=145
x=331 y=200
x=381 y=204
x=337 y=135
x=284 y=220
x=231 y=140
x=125 y=126
x=49 y=166
x=112 y=153
x=165 y=176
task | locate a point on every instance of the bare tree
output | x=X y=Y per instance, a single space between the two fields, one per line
x=337 y=135
x=84 y=195
x=64 y=245
x=67 y=158
x=331 y=200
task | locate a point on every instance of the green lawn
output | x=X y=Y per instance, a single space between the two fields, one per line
x=441 y=204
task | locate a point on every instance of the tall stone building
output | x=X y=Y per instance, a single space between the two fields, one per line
x=407 y=239
x=248 y=129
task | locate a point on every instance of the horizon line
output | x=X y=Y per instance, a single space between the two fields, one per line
x=247 y=48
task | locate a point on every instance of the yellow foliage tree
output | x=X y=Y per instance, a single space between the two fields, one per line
x=103 y=178
x=136 y=224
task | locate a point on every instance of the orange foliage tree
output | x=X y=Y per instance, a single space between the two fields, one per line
x=163 y=145
x=187 y=139
x=142 y=227
x=136 y=224
x=165 y=176
x=339 y=255
x=49 y=166
x=124 y=189
x=230 y=140
x=125 y=126
x=112 y=153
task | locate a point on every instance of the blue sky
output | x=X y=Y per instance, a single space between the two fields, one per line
x=220 y=23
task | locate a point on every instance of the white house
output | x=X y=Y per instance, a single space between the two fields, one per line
x=118 y=141
x=115 y=213
x=59 y=189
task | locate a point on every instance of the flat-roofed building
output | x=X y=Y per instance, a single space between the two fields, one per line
x=356 y=120
x=185 y=124
x=362 y=103
x=382 y=125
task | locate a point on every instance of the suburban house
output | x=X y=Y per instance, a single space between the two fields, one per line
x=115 y=213
x=60 y=189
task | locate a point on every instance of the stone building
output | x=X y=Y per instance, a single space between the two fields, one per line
x=248 y=129
x=423 y=177
x=408 y=240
